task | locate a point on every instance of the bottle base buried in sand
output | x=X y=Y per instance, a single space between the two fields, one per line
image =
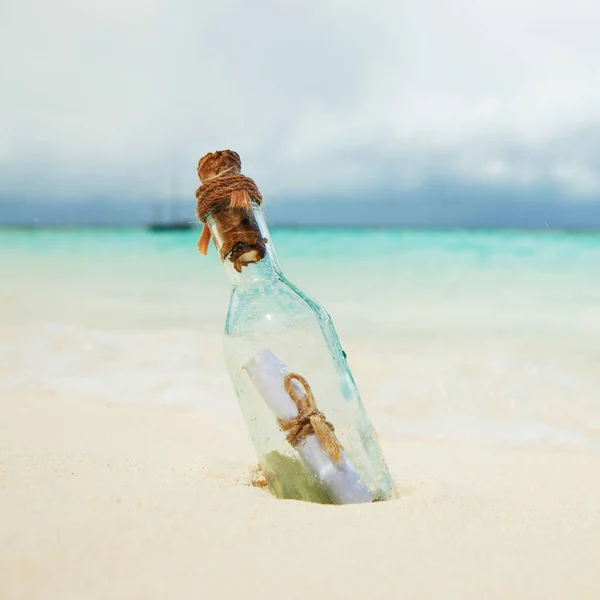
x=341 y=481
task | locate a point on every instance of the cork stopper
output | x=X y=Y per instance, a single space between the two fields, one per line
x=224 y=205
x=215 y=164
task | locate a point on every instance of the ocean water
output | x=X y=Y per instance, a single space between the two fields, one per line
x=461 y=335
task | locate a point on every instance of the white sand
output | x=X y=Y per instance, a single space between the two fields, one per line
x=130 y=501
x=148 y=497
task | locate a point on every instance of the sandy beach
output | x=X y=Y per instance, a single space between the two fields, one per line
x=103 y=500
x=125 y=466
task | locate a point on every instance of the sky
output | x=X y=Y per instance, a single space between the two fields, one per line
x=426 y=112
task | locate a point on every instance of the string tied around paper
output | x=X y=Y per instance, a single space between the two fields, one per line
x=310 y=419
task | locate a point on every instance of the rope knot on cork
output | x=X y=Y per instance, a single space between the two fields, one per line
x=222 y=185
x=310 y=419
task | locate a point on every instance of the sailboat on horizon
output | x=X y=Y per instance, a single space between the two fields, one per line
x=175 y=223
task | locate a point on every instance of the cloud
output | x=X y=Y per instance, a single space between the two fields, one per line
x=120 y=98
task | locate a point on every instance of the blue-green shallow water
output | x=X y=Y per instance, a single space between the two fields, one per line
x=388 y=270
x=331 y=244
x=490 y=334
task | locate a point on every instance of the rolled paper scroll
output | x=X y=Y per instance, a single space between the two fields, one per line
x=340 y=480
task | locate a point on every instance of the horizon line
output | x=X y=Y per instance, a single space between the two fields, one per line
x=292 y=225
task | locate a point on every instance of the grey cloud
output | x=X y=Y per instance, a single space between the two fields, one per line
x=118 y=100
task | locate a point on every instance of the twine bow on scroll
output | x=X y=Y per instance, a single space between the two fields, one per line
x=310 y=420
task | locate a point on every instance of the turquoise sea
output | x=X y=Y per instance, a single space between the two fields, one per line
x=493 y=335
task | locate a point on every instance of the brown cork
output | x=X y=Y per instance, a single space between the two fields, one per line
x=225 y=199
x=214 y=163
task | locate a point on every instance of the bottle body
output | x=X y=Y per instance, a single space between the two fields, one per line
x=273 y=328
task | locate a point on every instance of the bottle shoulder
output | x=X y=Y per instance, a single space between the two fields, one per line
x=276 y=303
x=281 y=315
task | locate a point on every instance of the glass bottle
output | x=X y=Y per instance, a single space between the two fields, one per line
x=273 y=328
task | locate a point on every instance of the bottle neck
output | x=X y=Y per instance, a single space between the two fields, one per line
x=244 y=244
x=254 y=275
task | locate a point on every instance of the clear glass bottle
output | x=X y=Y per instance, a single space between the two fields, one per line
x=267 y=313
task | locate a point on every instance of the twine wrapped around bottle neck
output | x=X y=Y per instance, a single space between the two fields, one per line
x=310 y=419
x=223 y=185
